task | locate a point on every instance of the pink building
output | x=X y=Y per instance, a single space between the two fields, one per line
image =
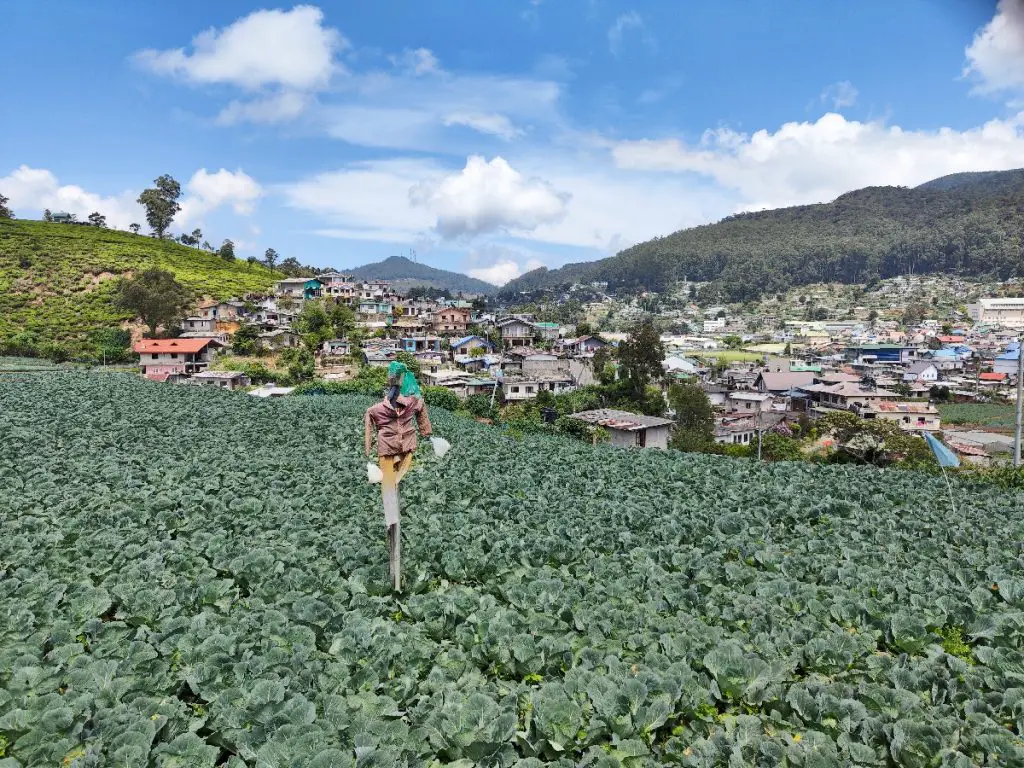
x=160 y=358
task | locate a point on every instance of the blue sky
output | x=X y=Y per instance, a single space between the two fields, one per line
x=495 y=137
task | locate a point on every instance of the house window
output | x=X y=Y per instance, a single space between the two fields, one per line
x=174 y=355
x=515 y=389
x=155 y=356
x=641 y=438
x=749 y=405
x=529 y=390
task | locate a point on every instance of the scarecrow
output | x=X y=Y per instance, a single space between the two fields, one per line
x=396 y=419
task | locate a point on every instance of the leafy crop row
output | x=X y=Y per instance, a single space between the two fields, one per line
x=198 y=578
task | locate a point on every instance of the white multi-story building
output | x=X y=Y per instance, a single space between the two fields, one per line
x=1008 y=313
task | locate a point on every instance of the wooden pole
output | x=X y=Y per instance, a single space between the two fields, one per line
x=1019 y=414
x=389 y=495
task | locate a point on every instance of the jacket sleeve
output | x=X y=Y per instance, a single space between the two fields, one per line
x=368 y=431
x=423 y=420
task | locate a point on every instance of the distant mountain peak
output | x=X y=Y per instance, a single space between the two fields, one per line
x=408 y=273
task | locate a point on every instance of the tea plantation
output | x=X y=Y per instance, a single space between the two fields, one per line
x=198 y=578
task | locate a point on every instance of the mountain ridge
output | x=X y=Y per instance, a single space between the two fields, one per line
x=970 y=224
x=406 y=273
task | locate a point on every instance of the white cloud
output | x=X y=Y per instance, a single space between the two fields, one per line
x=33 y=189
x=418 y=61
x=494 y=124
x=995 y=58
x=812 y=162
x=290 y=49
x=497 y=264
x=839 y=95
x=273 y=108
x=367 y=201
x=209 y=191
x=488 y=197
x=617 y=30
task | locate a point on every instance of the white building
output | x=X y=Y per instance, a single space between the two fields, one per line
x=715 y=324
x=629 y=430
x=1005 y=312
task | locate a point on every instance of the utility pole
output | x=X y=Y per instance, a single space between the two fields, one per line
x=1020 y=402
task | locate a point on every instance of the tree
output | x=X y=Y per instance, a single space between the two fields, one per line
x=47 y=215
x=342 y=318
x=155 y=297
x=246 y=339
x=185 y=239
x=873 y=441
x=640 y=356
x=97 y=219
x=5 y=211
x=227 y=251
x=873 y=316
x=197 y=236
x=583 y=328
x=134 y=228
x=410 y=362
x=207 y=246
x=270 y=257
x=111 y=345
x=313 y=325
x=692 y=408
x=161 y=204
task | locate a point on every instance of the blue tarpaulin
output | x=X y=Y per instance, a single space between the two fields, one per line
x=943 y=454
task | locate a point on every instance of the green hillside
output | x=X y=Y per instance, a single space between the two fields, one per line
x=968 y=224
x=57 y=281
x=405 y=273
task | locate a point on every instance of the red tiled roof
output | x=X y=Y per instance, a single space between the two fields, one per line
x=992 y=376
x=157 y=376
x=172 y=345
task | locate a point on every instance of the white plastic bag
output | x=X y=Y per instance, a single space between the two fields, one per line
x=441 y=446
x=373 y=473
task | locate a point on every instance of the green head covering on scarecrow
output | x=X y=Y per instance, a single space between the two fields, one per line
x=399 y=374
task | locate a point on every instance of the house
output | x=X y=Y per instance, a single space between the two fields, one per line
x=743 y=428
x=299 y=288
x=1008 y=313
x=910 y=416
x=279 y=338
x=585 y=345
x=845 y=396
x=716 y=393
x=160 y=358
x=713 y=325
x=881 y=353
x=548 y=331
x=629 y=430
x=779 y=382
x=62 y=217
x=516 y=332
x=1008 y=361
x=450 y=320
x=420 y=343
x=380 y=357
x=677 y=366
x=221 y=379
x=467 y=344
x=207 y=324
x=922 y=371
x=336 y=348
x=749 y=401
x=516 y=386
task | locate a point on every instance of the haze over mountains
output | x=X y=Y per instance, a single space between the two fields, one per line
x=405 y=273
x=967 y=223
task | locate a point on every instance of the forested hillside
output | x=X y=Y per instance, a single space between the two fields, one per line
x=405 y=273
x=971 y=224
x=57 y=281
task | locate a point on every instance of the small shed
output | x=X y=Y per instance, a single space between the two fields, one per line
x=629 y=430
x=221 y=379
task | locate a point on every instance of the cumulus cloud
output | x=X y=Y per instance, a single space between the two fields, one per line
x=839 y=95
x=493 y=123
x=209 y=191
x=33 y=189
x=367 y=200
x=291 y=49
x=417 y=61
x=497 y=264
x=995 y=58
x=812 y=162
x=488 y=197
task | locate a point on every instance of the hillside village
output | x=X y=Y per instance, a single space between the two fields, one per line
x=758 y=382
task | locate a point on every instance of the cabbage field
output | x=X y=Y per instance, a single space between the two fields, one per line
x=198 y=578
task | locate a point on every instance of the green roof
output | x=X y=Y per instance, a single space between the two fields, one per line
x=547 y=325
